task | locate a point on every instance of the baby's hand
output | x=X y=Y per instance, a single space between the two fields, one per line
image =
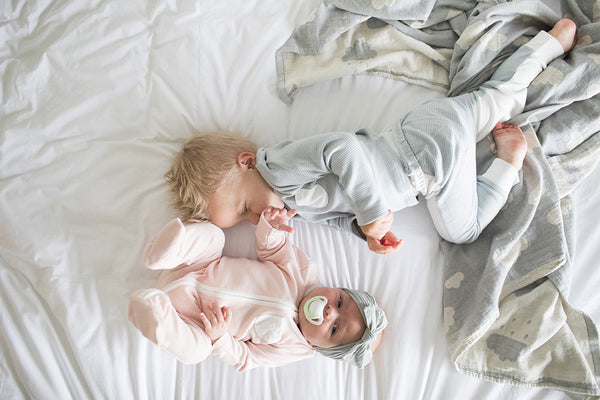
x=215 y=320
x=278 y=218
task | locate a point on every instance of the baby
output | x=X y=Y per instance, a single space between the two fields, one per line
x=356 y=180
x=249 y=313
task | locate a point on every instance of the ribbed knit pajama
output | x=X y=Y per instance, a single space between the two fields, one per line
x=438 y=141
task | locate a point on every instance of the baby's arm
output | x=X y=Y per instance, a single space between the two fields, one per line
x=272 y=246
x=245 y=355
x=178 y=244
x=271 y=243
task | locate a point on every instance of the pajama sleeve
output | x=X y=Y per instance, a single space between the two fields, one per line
x=273 y=246
x=246 y=355
x=291 y=165
x=346 y=224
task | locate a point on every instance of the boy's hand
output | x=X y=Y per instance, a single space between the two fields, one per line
x=215 y=320
x=278 y=218
x=379 y=237
x=388 y=244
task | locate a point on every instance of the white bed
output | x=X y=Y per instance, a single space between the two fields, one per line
x=96 y=98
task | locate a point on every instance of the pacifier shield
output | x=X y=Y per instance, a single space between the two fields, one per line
x=313 y=309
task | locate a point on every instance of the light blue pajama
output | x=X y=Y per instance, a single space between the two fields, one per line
x=339 y=177
x=438 y=141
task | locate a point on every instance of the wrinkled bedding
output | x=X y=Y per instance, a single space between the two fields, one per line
x=96 y=98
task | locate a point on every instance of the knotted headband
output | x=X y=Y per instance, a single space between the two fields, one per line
x=359 y=353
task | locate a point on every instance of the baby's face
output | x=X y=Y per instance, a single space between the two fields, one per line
x=342 y=320
x=243 y=197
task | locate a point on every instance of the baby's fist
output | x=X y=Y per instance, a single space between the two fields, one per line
x=215 y=320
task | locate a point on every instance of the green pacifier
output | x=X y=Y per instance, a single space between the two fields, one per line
x=313 y=309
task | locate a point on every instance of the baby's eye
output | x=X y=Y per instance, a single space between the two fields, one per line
x=339 y=302
x=334 y=329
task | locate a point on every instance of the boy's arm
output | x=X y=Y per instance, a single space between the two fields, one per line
x=382 y=243
x=290 y=165
x=347 y=223
x=178 y=244
x=245 y=355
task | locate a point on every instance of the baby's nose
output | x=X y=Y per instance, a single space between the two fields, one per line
x=329 y=311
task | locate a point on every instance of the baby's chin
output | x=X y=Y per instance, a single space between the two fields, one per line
x=301 y=316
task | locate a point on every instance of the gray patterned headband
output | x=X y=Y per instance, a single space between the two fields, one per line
x=359 y=352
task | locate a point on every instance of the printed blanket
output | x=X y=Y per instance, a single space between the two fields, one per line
x=505 y=308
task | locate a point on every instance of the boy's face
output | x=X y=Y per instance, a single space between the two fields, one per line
x=243 y=197
x=342 y=321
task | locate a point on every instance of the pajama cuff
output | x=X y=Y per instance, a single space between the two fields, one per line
x=502 y=174
x=546 y=44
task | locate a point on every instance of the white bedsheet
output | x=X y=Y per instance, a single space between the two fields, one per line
x=96 y=97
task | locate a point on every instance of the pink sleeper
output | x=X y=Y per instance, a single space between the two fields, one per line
x=263 y=296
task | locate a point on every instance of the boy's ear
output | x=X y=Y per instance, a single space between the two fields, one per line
x=246 y=160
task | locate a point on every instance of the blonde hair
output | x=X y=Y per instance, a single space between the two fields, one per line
x=200 y=169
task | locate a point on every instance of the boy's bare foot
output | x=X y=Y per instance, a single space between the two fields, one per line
x=565 y=31
x=510 y=144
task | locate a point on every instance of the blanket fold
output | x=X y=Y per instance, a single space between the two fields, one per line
x=505 y=309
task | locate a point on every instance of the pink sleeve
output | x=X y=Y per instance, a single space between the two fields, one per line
x=247 y=355
x=272 y=246
x=178 y=244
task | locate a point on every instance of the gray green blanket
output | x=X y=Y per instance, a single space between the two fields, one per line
x=505 y=308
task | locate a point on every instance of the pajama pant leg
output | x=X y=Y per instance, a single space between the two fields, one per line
x=152 y=312
x=461 y=203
